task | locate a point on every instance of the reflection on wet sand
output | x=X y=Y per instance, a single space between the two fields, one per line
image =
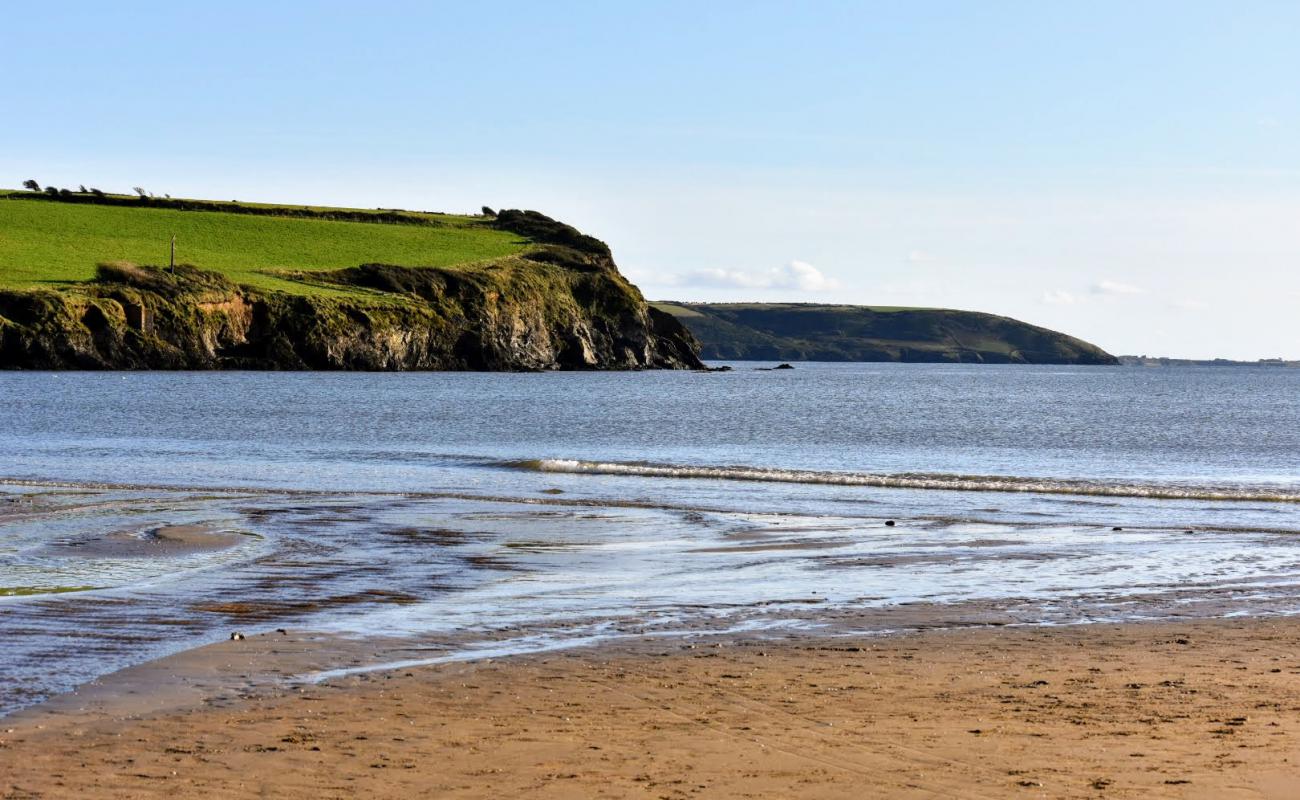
x=454 y=576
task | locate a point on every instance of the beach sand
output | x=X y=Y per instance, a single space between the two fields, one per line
x=1206 y=709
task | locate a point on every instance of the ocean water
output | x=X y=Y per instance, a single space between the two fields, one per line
x=477 y=513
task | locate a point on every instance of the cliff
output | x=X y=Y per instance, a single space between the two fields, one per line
x=809 y=332
x=557 y=303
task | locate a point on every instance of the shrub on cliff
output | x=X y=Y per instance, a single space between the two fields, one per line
x=133 y=275
x=544 y=230
x=186 y=278
x=565 y=257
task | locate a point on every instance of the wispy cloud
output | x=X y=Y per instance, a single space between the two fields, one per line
x=795 y=275
x=1189 y=305
x=1060 y=297
x=1116 y=288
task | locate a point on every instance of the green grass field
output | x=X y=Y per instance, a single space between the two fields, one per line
x=46 y=243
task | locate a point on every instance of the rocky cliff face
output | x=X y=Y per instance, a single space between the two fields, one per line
x=561 y=306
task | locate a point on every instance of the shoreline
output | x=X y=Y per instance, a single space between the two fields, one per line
x=1193 y=708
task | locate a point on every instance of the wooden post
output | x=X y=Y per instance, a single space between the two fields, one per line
x=173 y=261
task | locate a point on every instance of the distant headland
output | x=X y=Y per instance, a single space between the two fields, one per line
x=813 y=332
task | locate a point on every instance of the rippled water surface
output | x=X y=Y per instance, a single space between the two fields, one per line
x=145 y=513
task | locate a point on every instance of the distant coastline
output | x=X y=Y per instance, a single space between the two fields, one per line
x=1157 y=361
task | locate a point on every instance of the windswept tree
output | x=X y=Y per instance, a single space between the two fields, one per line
x=32 y=184
x=140 y=191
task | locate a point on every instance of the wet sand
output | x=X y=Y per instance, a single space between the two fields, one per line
x=1194 y=709
x=158 y=542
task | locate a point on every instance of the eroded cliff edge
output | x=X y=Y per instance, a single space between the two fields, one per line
x=559 y=305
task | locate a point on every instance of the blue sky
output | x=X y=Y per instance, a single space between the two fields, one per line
x=1127 y=172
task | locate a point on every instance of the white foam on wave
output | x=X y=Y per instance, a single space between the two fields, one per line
x=946 y=482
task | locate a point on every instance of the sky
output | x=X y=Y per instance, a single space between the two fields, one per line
x=1126 y=172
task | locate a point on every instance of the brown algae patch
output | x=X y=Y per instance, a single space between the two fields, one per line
x=27 y=591
x=272 y=609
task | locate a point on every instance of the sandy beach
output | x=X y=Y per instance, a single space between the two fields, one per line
x=1193 y=709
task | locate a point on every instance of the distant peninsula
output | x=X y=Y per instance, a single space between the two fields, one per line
x=812 y=332
x=92 y=280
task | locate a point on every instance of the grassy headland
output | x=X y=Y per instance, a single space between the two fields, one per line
x=46 y=242
x=260 y=286
x=815 y=332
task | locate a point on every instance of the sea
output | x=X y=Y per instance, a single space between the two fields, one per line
x=477 y=514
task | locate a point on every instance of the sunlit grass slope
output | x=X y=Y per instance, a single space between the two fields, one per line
x=51 y=243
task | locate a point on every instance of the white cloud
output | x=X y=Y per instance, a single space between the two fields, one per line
x=809 y=278
x=1189 y=305
x=796 y=275
x=1060 y=297
x=1115 y=287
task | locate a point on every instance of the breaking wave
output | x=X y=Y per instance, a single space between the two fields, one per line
x=912 y=480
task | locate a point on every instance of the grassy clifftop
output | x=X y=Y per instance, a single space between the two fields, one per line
x=811 y=332
x=293 y=287
x=49 y=242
